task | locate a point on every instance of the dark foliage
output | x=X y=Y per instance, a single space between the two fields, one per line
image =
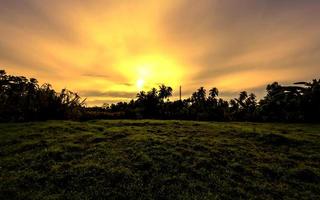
x=282 y=103
x=22 y=99
x=291 y=103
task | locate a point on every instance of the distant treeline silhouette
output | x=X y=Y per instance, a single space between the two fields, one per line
x=22 y=99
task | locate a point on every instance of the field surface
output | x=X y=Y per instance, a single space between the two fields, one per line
x=150 y=159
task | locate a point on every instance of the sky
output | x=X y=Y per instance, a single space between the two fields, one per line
x=108 y=50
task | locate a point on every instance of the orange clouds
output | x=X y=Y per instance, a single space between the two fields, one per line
x=108 y=46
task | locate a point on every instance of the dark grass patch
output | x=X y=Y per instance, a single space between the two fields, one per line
x=31 y=136
x=98 y=140
x=139 y=124
x=100 y=129
x=80 y=128
x=82 y=139
x=269 y=138
x=11 y=142
x=275 y=139
x=304 y=175
x=151 y=159
x=31 y=146
x=115 y=136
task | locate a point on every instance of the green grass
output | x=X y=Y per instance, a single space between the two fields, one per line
x=149 y=159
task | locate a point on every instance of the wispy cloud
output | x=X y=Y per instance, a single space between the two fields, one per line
x=102 y=47
x=96 y=75
x=109 y=94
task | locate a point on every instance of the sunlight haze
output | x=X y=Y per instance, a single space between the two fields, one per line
x=109 y=50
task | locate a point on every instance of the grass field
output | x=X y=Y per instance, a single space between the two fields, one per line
x=149 y=159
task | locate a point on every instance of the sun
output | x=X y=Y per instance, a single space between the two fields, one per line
x=148 y=71
x=140 y=83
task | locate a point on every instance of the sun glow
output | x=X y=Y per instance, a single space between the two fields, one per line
x=151 y=70
x=140 y=83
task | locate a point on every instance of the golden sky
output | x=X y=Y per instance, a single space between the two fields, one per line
x=108 y=50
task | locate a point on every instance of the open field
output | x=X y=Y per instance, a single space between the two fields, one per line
x=149 y=159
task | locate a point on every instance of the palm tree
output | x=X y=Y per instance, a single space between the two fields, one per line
x=199 y=96
x=164 y=91
x=213 y=92
x=141 y=95
x=243 y=95
x=153 y=93
x=234 y=105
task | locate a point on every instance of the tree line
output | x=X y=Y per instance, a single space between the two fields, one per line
x=299 y=103
x=22 y=99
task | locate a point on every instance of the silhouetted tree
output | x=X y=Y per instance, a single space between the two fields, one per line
x=165 y=92
x=22 y=99
x=213 y=93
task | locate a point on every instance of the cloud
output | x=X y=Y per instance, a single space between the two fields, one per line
x=105 y=44
x=109 y=94
x=127 y=84
x=224 y=37
x=96 y=75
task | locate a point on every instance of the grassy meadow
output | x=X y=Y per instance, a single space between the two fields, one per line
x=153 y=159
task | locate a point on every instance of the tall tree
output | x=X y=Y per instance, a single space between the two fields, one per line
x=165 y=91
x=213 y=92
